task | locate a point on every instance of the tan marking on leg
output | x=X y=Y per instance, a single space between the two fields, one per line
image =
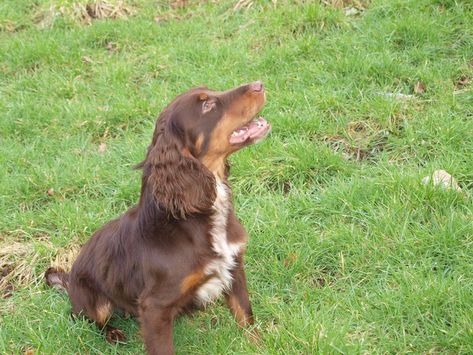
x=240 y=315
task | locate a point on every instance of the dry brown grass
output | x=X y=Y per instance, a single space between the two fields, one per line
x=243 y=4
x=17 y=258
x=341 y=4
x=15 y=266
x=84 y=13
x=359 y=5
x=8 y=26
x=363 y=140
x=65 y=257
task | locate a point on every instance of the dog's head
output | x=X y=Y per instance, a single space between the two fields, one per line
x=193 y=137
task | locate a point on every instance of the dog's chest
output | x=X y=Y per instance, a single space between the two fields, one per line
x=220 y=268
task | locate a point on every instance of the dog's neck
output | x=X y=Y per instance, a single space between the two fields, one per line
x=217 y=165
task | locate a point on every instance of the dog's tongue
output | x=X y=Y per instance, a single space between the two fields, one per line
x=254 y=130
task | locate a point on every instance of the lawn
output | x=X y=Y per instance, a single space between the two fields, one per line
x=349 y=252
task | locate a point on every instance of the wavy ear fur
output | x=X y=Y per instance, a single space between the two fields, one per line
x=180 y=184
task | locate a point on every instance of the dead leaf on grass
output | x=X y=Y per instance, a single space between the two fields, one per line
x=462 y=82
x=318 y=282
x=419 y=87
x=290 y=259
x=7 y=290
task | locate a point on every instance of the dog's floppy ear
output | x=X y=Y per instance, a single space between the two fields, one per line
x=180 y=184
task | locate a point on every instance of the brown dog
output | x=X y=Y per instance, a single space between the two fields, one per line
x=182 y=245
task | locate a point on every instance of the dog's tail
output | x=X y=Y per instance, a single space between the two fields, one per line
x=57 y=278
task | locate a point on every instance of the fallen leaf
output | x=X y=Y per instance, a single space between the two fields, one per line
x=419 y=87
x=102 y=148
x=291 y=258
x=286 y=187
x=7 y=291
x=319 y=282
x=50 y=192
x=463 y=81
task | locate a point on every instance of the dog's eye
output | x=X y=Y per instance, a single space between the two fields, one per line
x=207 y=106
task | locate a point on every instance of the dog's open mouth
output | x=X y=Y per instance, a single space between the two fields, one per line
x=254 y=131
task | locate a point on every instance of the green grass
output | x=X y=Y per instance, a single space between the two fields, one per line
x=349 y=252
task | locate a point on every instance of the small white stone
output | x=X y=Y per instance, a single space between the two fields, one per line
x=443 y=179
x=351 y=11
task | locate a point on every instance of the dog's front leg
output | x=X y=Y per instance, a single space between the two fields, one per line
x=157 y=326
x=237 y=297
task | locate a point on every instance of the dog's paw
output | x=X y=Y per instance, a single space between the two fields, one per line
x=115 y=335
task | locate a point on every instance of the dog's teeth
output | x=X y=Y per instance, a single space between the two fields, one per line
x=234 y=134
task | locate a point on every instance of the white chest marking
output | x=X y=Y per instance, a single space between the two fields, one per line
x=221 y=267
